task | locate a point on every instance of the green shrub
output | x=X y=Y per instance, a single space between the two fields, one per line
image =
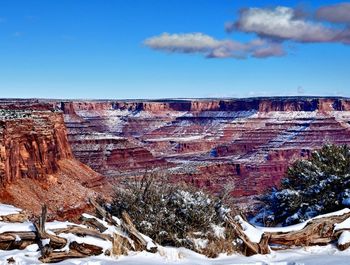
x=311 y=187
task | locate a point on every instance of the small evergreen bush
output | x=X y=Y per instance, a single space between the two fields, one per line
x=311 y=187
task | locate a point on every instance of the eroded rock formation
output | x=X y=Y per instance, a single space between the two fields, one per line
x=36 y=161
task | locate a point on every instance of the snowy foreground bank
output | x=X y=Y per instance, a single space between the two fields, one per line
x=317 y=255
x=308 y=256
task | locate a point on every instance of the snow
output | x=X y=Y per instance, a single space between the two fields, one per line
x=59 y=225
x=104 y=244
x=150 y=244
x=179 y=139
x=223 y=114
x=343 y=225
x=287 y=115
x=284 y=229
x=32 y=248
x=18 y=227
x=45 y=241
x=200 y=243
x=219 y=231
x=98 y=136
x=6 y=209
x=181 y=256
x=253 y=233
x=344 y=238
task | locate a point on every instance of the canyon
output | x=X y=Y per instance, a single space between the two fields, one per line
x=244 y=145
x=208 y=142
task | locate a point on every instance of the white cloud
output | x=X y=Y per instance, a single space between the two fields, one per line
x=187 y=43
x=282 y=23
x=213 y=48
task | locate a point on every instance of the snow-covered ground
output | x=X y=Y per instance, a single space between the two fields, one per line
x=317 y=255
x=172 y=256
x=6 y=209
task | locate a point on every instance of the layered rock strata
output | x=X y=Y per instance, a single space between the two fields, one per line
x=208 y=142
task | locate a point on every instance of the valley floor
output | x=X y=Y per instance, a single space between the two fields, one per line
x=173 y=256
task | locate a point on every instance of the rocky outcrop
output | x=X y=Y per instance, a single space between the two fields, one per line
x=31 y=143
x=36 y=161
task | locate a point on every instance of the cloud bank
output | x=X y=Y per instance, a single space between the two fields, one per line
x=271 y=26
x=283 y=23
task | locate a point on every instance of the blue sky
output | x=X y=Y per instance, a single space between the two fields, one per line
x=99 y=49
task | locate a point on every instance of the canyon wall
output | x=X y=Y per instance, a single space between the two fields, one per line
x=208 y=142
x=211 y=143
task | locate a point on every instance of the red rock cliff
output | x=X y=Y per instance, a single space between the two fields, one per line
x=31 y=144
x=248 y=104
x=37 y=165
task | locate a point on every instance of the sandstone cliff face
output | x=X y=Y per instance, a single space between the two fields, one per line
x=31 y=144
x=36 y=161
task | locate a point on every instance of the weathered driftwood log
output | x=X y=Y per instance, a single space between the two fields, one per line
x=120 y=245
x=250 y=248
x=139 y=241
x=103 y=213
x=16 y=240
x=343 y=243
x=319 y=231
x=61 y=256
x=55 y=241
x=81 y=231
x=14 y=218
x=76 y=250
x=127 y=225
x=86 y=249
x=93 y=223
x=344 y=240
